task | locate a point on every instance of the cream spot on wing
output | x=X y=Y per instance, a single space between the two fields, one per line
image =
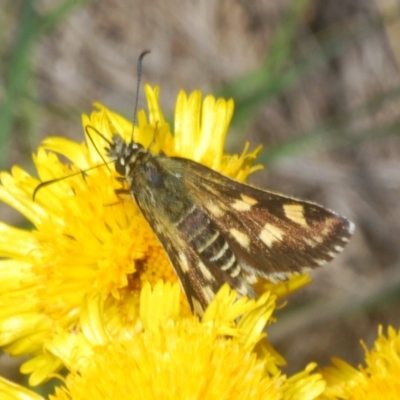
x=318 y=239
x=310 y=242
x=339 y=248
x=184 y=264
x=242 y=289
x=245 y=204
x=208 y=293
x=328 y=226
x=271 y=234
x=206 y=272
x=215 y=209
x=240 y=205
x=250 y=278
x=295 y=212
x=276 y=277
x=197 y=307
x=240 y=237
x=249 y=200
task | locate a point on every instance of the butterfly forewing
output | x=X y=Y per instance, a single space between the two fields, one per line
x=273 y=234
x=217 y=230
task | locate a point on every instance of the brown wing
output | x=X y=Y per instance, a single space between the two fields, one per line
x=272 y=235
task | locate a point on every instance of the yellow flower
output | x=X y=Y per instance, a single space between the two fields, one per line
x=380 y=379
x=176 y=356
x=12 y=391
x=86 y=241
x=89 y=246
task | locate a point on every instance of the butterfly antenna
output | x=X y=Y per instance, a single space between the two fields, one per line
x=139 y=78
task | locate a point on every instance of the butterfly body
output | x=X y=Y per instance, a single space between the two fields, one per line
x=217 y=230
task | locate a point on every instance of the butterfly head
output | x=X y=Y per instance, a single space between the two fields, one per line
x=124 y=153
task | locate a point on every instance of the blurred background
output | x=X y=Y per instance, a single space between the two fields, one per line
x=316 y=82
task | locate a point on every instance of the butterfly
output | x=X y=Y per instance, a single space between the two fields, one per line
x=216 y=230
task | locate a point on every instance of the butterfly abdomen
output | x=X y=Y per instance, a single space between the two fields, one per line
x=203 y=235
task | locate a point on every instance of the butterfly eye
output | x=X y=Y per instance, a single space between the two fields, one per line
x=120 y=166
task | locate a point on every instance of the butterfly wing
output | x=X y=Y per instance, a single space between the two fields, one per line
x=272 y=235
